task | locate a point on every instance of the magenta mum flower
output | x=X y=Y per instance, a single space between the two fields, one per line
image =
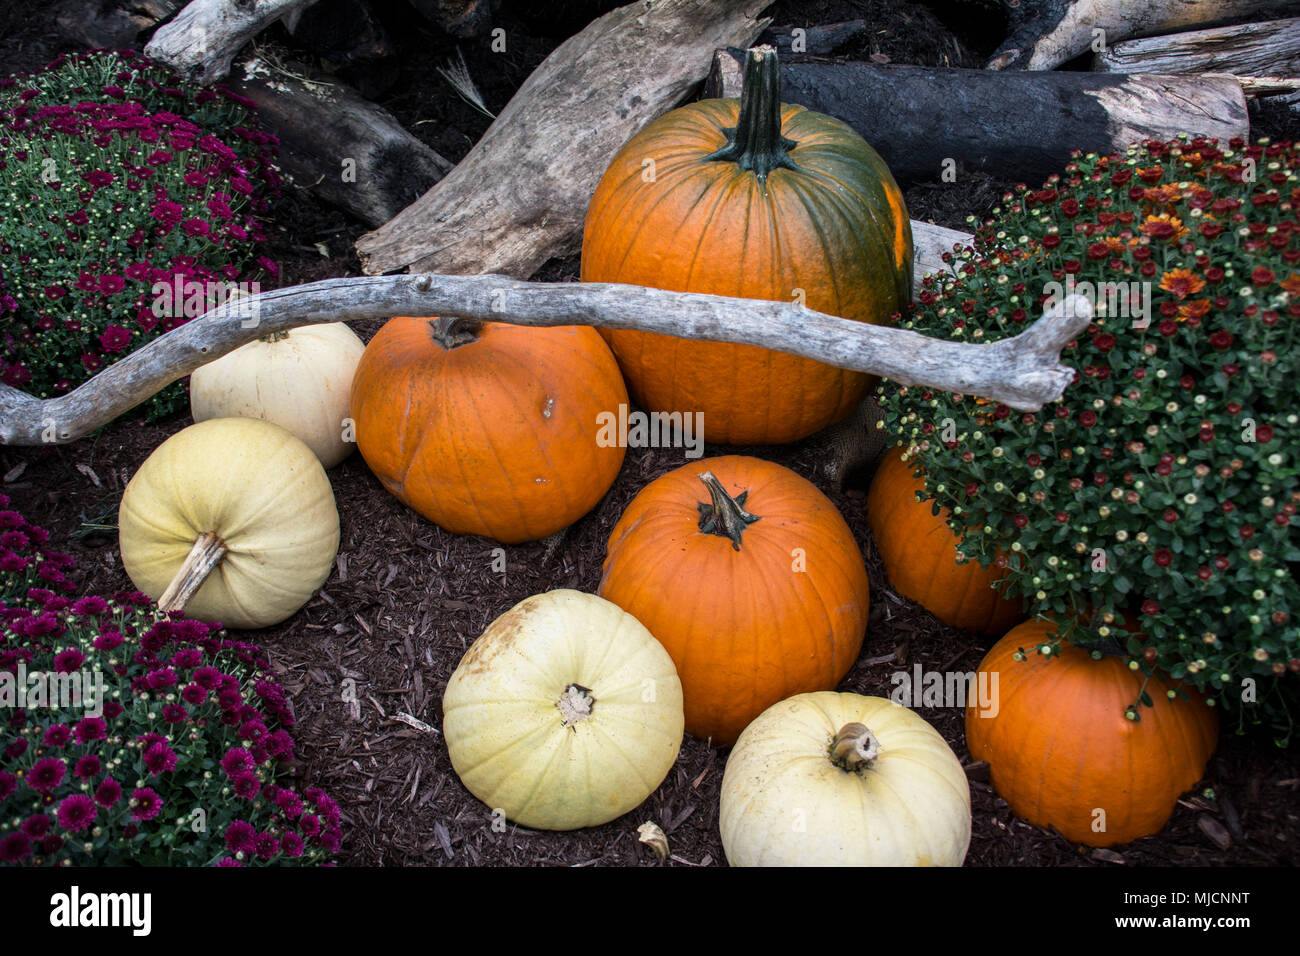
x=90 y=728
x=246 y=785
x=37 y=826
x=69 y=660
x=108 y=792
x=57 y=735
x=145 y=804
x=291 y=844
x=87 y=766
x=77 y=812
x=159 y=758
x=46 y=774
x=237 y=761
x=240 y=837
x=15 y=847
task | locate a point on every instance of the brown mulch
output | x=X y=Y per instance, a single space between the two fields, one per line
x=407 y=598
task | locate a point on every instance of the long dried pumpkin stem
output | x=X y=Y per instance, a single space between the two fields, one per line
x=756 y=142
x=725 y=516
x=855 y=746
x=206 y=554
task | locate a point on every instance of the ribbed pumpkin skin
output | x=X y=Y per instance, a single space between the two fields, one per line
x=785 y=803
x=918 y=548
x=837 y=228
x=496 y=437
x=506 y=735
x=261 y=490
x=301 y=383
x=1060 y=747
x=743 y=627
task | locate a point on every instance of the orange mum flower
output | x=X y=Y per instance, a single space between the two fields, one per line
x=1196 y=309
x=1291 y=283
x=1182 y=282
x=1168 y=193
x=1164 y=226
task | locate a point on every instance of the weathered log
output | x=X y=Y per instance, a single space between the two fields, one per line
x=1019 y=125
x=520 y=195
x=345 y=149
x=343 y=32
x=111 y=26
x=821 y=40
x=1043 y=34
x=1271 y=48
x=460 y=18
x=1024 y=372
x=201 y=42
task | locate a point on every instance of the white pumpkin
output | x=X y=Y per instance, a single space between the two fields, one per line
x=300 y=380
x=565 y=713
x=829 y=779
x=245 y=508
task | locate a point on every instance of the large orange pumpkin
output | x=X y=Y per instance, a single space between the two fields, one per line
x=751 y=579
x=1063 y=752
x=919 y=553
x=761 y=200
x=488 y=429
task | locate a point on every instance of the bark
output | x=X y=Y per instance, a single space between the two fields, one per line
x=1043 y=34
x=1271 y=48
x=1017 y=125
x=201 y=42
x=345 y=149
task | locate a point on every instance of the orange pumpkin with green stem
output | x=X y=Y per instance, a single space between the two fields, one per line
x=756 y=199
x=749 y=577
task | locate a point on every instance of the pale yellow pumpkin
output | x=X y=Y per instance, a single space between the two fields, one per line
x=260 y=501
x=830 y=779
x=565 y=713
x=300 y=380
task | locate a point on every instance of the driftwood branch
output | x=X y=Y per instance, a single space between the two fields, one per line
x=201 y=42
x=1020 y=125
x=1271 y=48
x=1044 y=34
x=518 y=198
x=347 y=150
x=1023 y=372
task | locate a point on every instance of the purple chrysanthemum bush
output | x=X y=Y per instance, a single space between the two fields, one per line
x=182 y=762
x=121 y=197
x=1151 y=511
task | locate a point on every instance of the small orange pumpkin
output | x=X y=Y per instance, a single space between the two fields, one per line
x=919 y=553
x=489 y=429
x=762 y=200
x=1061 y=748
x=750 y=578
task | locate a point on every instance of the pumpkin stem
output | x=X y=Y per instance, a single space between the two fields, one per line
x=206 y=554
x=725 y=516
x=454 y=331
x=274 y=337
x=854 y=747
x=575 y=704
x=756 y=143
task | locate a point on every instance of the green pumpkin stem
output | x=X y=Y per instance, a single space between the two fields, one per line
x=756 y=142
x=725 y=516
x=854 y=747
x=453 y=331
x=206 y=554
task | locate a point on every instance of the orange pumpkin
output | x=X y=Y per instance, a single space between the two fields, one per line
x=751 y=579
x=919 y=553
x=488 y=429
x=755 y=199
x=1062 y=752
